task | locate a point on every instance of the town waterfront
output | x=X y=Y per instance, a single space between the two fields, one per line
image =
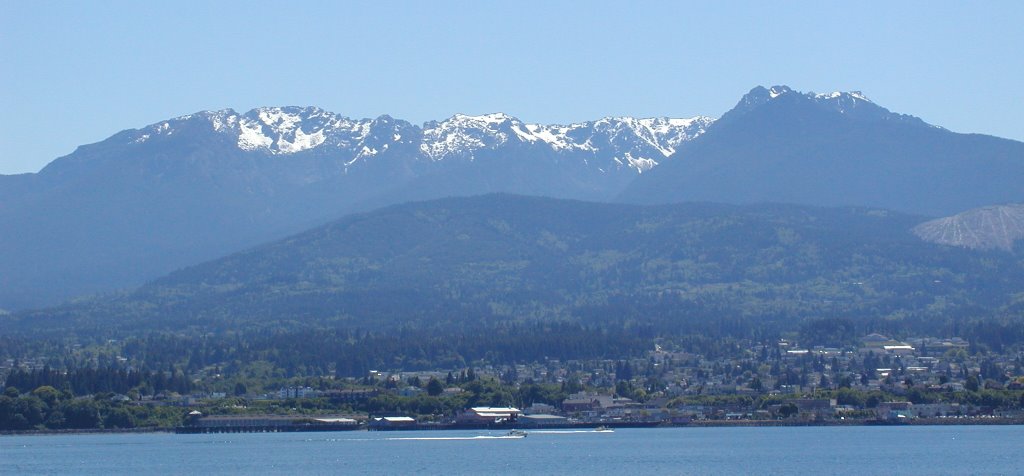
x=966 y=449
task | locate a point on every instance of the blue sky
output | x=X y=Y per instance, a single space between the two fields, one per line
x=73 y=73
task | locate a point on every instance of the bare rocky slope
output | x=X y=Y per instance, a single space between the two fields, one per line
x=995 y=227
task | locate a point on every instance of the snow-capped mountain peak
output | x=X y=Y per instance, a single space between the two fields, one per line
x=286 y=130
x=610 y=142
x=280 y=130
x=852 y=104
x=461 y=134
x=491 y=119
x=636 y=143
x=761 y=95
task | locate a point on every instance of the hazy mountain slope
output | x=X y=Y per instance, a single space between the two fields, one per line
x=500 y=257
x=148 y=201
x=982 y=228
x=145 y=202
x=834 y=150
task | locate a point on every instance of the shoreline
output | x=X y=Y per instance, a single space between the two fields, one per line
x=85 y=431
x=452 y=427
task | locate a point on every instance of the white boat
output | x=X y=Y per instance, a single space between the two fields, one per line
x=603 y=429
x=516 y=434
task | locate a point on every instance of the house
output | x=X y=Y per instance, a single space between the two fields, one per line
x=410 y=391
x=489 y=415
x=929 y=410
x=939 y=347
x=268 y=421
x=577 y=405
x=899 y=349
x=392 y=422
x=585 y=402
x=875 y=341
x=814 y=405
x=538 y=409
x=893 y=410
x=297 y=392
x=351 y=395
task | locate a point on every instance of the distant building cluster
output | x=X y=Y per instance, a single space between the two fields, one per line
x=877 y=379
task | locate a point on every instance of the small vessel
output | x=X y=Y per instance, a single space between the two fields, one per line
x=516 y=434
x=603 y=429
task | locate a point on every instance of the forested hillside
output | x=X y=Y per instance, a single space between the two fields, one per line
x=510 y=259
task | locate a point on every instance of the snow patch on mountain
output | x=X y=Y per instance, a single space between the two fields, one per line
x=640 y=164
x=291 y=130
x=840 y=97
x=777 y=91
x=461 y=135
x=857 y=95
x=635 y=143
x=852 y=104
x=252 y=137
x=624 y=141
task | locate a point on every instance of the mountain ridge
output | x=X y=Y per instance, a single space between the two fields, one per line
x=504 y=257
x=778 y=145
x=147 y=201
x=295 y=129
x=852 y=104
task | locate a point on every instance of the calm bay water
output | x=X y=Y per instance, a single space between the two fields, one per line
x=805 y=450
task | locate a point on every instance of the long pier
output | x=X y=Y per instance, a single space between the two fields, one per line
x=309 y=427
x=197 y=429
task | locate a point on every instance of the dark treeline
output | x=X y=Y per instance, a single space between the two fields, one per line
x=102 y=384
x=91 y=380
x=88 y=397
x=164 y=360
x=354 y=353
x=989 y=334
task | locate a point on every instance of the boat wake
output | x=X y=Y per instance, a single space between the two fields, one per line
x=567 y=432
x=480 y=437
x=561 y=432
